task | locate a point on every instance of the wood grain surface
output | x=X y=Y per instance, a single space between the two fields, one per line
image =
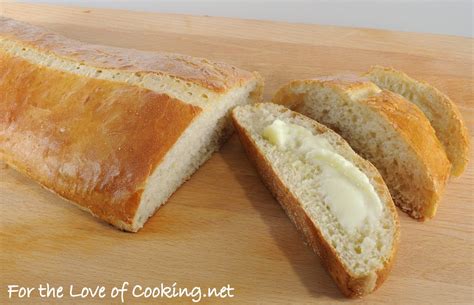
x=222 y=226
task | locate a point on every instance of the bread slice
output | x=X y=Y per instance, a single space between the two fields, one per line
x=360 y=260
x=443 y=114
x=382 y=127
x=113 y=130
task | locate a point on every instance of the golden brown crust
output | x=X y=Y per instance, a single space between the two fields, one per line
x=94 y=142
x=405 y=117
x=218 y=77
x=349 y=284
x=345 y=81
x=289 y=96
x=408 y=120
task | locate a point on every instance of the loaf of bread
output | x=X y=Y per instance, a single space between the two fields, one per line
x=382 y=127
x=443 y=114
x=115 y=131
x=321 y=191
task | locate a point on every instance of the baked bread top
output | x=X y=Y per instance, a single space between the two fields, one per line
x=214 y=76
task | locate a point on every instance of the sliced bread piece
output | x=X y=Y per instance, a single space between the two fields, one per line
x=443 y=114
x=336 y=199
x=382 y=127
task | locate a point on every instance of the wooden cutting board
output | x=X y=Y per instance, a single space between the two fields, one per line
x=222 y=226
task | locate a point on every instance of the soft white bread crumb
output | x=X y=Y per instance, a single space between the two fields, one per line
x=205 y=136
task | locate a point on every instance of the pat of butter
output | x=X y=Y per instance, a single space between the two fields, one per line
x=347 y=191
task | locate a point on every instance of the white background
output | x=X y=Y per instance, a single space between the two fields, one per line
x=441 y=17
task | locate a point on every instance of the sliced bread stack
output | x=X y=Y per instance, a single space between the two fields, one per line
x=442 y=113
x=390 y=131
x=412 y=133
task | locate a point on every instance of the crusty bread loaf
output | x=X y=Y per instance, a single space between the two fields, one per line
x=114 y=131
x=357 y=268
x=382 y=127
x=443 y=114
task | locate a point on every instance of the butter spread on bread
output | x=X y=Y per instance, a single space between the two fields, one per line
x=346 y=189
x=115 y=131
x=295 y=157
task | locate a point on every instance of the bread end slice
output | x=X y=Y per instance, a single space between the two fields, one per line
x=356 y=274
x=442 y=113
